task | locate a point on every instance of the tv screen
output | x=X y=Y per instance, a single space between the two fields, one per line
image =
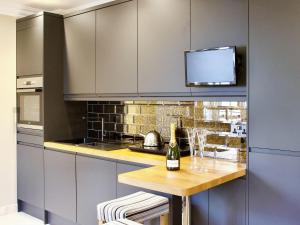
x=210 y=67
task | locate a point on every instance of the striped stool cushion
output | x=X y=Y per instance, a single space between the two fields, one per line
x=139 y=207
x=122 y=222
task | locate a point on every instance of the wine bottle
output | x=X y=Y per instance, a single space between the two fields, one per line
x=173 y=155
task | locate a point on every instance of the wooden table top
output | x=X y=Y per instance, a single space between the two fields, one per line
x=196 y=175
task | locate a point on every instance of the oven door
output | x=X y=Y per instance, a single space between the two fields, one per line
x=30 y=108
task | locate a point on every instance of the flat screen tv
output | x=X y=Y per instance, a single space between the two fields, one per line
x=210 y=67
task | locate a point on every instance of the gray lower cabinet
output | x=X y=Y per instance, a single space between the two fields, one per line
x=30 y=46
x=30 y=175
x=96 y=182
x=274 y=184
x=199 y=208
x=124 y=189
x=227 y=203
x=274 y=70
x=79 y=65
x=223 y=205
x=219 y=23
x=116 y=49
x=163 y=36
x=60 y=184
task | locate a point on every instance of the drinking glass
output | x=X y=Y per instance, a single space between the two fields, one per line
x=197 y=136
x=201 y=135
x=191 y=132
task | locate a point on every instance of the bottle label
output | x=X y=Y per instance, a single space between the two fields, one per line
x=173 y=163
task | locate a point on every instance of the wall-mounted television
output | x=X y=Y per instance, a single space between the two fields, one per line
x=210 y=67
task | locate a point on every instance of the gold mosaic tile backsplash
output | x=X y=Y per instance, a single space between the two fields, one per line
x=134 y=117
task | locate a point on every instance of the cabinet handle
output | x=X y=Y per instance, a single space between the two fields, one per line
x=28 y=82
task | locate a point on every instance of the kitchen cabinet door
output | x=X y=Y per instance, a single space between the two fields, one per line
x=60 y=184
x=96 y=183
x=116 y=49
x=227 y=203
x=274 y=184
x=219 y=23
x=30 y=175
x=199 y=206
x=124 y=189
x=79 y=65
x=274 y=34
x=163 y=36
x=30 y=46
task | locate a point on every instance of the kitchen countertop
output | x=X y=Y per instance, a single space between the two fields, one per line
x=119 y=154
x=195 y=175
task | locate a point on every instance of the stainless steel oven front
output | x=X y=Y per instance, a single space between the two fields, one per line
x=30 y=102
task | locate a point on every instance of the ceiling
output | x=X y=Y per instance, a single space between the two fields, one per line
x=20 y=8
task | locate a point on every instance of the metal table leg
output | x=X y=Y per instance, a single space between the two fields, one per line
x=186 y=210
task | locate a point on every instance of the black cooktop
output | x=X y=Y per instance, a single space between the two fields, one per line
x=184 y=151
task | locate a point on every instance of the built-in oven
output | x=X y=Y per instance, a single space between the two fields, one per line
x=30 y=102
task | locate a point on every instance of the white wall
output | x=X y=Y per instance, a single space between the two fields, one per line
x=8 y=190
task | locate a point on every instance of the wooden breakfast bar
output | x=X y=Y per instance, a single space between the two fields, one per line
x=196 y=175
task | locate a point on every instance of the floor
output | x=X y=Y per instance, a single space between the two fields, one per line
x=19 y=219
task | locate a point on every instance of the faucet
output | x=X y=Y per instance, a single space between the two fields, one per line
x=102 y=129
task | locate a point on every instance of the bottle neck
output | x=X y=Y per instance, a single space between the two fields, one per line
x=173 y=136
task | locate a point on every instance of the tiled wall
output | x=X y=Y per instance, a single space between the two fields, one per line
x=134 y=117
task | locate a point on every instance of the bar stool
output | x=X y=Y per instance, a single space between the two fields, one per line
x=122 y=222
x=138 y=207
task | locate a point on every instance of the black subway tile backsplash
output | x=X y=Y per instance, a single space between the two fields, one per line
x=143 y=116
x=104 y=116
x=92 y=116
x=121 y=128
x=98 y=108
x=120 y=109
x=93 y=134
x=116 y=118
x=97 y=125
x=90 y=125
x=90 y=108
x=134 y=117
x=109 y=126
x=109 y=108
x=115 y=102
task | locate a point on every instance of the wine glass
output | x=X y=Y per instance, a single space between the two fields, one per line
x=201 y=135
x=191 y=132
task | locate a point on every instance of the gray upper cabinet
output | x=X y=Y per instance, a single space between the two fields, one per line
x=79 y=65
x=116 y=49
x=96 y=183
x=274 y=74
x=219 y=23
x=163 y=36
x=60 y=184
x=227 y=204
x=30 y=162
x=30 y=46
x=274 y=184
